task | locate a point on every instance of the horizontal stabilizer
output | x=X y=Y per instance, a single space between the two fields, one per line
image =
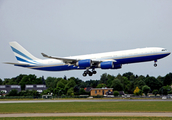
x=15 y=63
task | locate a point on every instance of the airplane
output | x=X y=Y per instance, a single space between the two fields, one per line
x=89 y=62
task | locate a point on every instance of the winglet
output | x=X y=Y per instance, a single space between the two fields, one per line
x=44 y=55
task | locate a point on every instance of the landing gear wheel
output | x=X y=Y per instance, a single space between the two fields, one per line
x=84 y=74
x=94 y=72
x=90 y=73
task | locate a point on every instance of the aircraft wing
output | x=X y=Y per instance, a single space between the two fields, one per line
x=65 y=60
x=68 y=60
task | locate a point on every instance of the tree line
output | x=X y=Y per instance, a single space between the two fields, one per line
x=127 y=82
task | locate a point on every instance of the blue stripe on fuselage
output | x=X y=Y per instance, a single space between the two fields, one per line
x=51 y=68
x=58 y=68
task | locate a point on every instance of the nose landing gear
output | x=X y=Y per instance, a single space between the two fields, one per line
x=155 y=63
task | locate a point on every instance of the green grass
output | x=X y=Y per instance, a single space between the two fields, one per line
x=88 y=118
x=81 y=107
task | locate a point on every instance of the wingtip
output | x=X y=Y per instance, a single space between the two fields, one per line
x=44 y=55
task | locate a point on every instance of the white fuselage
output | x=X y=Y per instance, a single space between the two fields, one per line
x=116 y=55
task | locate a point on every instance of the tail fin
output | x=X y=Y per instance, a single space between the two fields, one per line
x=22 y=55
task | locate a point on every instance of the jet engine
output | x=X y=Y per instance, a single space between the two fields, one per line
x=109 y=65
x=84 y=63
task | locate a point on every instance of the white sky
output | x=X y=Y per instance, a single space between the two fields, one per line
x=75 y=27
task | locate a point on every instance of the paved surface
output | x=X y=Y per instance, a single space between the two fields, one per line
x=85 y=100
x=87 y=114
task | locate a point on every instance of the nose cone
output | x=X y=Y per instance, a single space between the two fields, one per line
x=168 y=53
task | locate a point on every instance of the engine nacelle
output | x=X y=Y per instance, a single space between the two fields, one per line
x=84 y=63
x=106 y=65
x=109 y=65
x=117 y=66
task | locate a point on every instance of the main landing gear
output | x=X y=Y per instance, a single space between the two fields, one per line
x=90 y=73
x=155 y=63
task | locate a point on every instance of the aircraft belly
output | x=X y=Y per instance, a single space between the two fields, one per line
x=140 y=58
x=57 y=68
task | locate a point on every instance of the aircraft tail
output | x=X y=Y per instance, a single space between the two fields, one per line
x=22 y=55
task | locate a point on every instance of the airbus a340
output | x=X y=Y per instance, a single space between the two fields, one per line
x=89 y=62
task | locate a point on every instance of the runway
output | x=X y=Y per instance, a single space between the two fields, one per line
x=81 y=100
x=87 y=114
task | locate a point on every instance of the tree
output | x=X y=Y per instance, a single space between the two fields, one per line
x=110 y=78
x=58 y=91
x=60 y=84
x=145 y=89
x=164 y=90
x=51 y=82
x=103 y=78
x=170 y=92
x=46 y=92
x=29 y=79
x=118 y=76
x=29 y=93
x=139 y=83
x=76 y=89
x=83 y=84
x=128 y=75
x=1 y=82
x=13 y=81
x=60 y=88
x=167 y=80
x=141 y=77
x=155 y=92
x=6 y=81
x=115 y=93
x=70 y=92
x=82 y=91
x=132 y=78
x=70 y=84
x=116 y=85
x=126 y=84
x=101 y=85
x=153 y=83
x=78 y=81
x=13 y=92
x=137 y=91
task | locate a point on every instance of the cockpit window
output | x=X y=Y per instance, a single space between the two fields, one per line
x=164 y=49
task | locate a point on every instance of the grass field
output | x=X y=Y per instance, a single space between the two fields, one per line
x=88 y=118
x=81 y=107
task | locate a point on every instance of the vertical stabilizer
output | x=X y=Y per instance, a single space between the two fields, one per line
x=21 y=54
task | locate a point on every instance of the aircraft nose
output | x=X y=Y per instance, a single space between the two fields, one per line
x=168 y=53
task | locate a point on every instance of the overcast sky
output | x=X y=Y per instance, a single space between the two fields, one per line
x=75 y=27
